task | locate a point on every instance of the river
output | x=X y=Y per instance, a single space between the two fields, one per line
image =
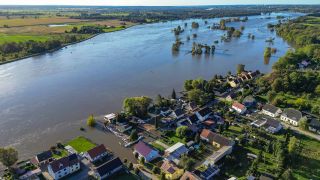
x=45 y=99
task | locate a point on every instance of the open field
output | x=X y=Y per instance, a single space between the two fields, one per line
x=81 y=144
x=29 y=21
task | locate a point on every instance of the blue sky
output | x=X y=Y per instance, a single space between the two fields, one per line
x=153 y=2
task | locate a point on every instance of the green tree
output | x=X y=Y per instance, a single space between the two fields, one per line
x=8 y=156
x=317 y=90
x=173 y=94
x=162 y=176
x=142 y=160
x=130 y=166
x=303 y=123
x=292 y=146
x=287 y=175
x=181 y=131
x=137 y=106
x=156 y=170
x=240 y=68
x=91 y=121
x=197 y=138
x=133 y=135
x=186 y=162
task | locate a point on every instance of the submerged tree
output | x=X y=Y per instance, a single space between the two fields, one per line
x=8 y=156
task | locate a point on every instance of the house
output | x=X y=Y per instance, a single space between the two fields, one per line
x=239 y=108
x=64 y=166
x=234 y=82
x=44 y=158
x=108 y=169
x=110 y=118
x=192 y=106
x=193 y=119
x=271 y=110
x=171 y=171
x=177 y=114
x=314 y=126
x=31 y=175
x=203 y=114
x=208 y=173
x=96 y=153
x=209 y=124
x=123 y=127
x=175 y=152
x=249 y=101
x=145 y=151
x=269 y=124
x=189 y=176
x=217 y=140
x=291 y=116
x=217 y=155
x=231 y=97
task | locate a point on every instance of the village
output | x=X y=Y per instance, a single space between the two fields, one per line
x=181 y=139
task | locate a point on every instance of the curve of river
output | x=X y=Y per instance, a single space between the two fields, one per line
x=47 y=98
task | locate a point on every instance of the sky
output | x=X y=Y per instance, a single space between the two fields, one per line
x=152 y=2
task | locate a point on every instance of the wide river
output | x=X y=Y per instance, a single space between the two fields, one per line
x=47 y=98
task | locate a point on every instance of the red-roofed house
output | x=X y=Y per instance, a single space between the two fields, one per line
x=145 y=151
x=239 y=108
x=97 y=153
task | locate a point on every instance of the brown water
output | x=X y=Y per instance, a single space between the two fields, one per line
x=47 y=98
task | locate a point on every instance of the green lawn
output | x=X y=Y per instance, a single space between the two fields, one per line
x=22 y=38
x=64 y=153
x=126 y=177
x=81 y=144
x=158 y=147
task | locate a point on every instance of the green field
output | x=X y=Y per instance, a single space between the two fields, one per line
x=81 y=144
x=22 y=38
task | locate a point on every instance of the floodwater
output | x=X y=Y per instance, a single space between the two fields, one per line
x=45 y=99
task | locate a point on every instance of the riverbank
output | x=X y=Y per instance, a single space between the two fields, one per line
x=63 y=46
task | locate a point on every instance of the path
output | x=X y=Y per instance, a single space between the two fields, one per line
x=162 y=144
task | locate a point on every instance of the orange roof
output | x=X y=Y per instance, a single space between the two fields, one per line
x=238 y=105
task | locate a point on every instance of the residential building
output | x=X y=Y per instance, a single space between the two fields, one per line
x=193 y=119
x=314 y=126
x=291 y=116
x=96 y=153
x=217 y=155
x=64 y=166
x=269 y=124
x=209 y=173
x=215 y=139
x=189 y=176
x=239 y=108
x=249 y=101
x=231 y=97
x=145 y=151
x=44 y=158
x=175 y=152
x=171 y=171
x=192 y=106
x=271 y=110
x=203 y=114
x=108 y=169
x=177 y=114
x=110 y=117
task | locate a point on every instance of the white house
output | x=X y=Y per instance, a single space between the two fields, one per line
x=108 y=169
x=239 y=108
x=96 y=153
x=64 y=166
x=203 y=114
x=271 y=110
x=175 y=152
x=270 y=125
x=110 y=117
x=291 y=116
x=145 y=151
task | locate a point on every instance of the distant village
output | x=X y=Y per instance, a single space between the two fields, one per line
x=182 y=141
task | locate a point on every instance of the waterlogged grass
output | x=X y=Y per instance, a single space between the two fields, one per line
x=81 y=144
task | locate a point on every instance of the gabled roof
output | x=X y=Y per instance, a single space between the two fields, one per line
x=143 y=149
x=249 y=99
x=270 y=108
x=168 y=167
x=211 y=170
x=209 y=122
x=178 y=147
x=44 y=156
x=109 y=166
x=96 y=151
x=64 y=162
x=272 y=123
x=238 y=105
x=189 y=176
x=314 y=123
x=214 y=137
x=204 y=111
x=193 y=118
x=292 y=114
x=178 y=112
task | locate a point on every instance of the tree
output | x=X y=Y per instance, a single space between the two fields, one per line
x=240 y=68
x=142 y=160
x=186 y=162
x=130 y=166
x=292 y=146
x=173 y=94
x=287 y=175
x=137 y=106
x=277 y=85
x=156 y=122
x=162 y=176
x=227 y=125
x=91 y=121
x=181 y=131
x=303 y=123
x=317 y=90
x=156 y=170
x=221 y=128
x=197 y=138
x=8 y=156
x=133 y=135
